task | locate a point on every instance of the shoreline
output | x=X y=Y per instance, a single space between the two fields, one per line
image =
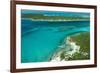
x=70 y=52
x=53 y=20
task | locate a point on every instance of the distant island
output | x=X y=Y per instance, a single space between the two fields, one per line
x=42 y=17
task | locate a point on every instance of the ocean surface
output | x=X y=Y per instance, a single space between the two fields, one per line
x=40 y=39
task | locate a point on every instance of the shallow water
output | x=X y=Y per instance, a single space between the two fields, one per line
x=40 y=39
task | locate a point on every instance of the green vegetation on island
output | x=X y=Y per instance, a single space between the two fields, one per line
x=83 y=40
x=75 y=47
x=45 y=17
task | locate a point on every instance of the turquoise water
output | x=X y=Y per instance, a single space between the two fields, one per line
x=40 y=39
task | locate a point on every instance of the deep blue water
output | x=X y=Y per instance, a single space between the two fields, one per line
x=40 y=39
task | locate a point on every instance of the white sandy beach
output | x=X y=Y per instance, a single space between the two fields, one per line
x=69 y=47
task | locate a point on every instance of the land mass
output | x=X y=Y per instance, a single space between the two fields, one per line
x=54 y=18
x=75 y=47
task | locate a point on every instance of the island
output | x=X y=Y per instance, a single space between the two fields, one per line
x=74 y=47
x=42 y=17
